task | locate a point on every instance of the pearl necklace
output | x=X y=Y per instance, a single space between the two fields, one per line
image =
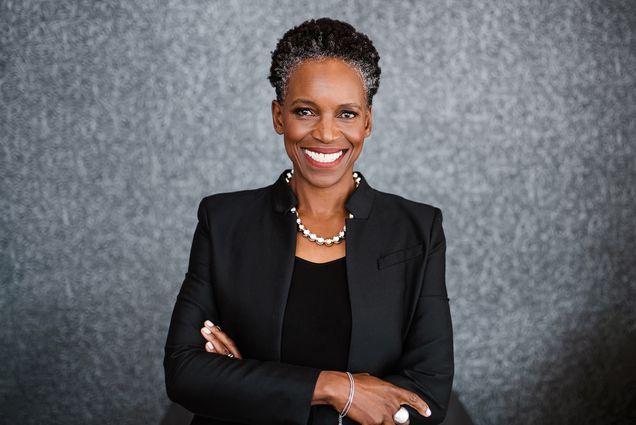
x=312 y=236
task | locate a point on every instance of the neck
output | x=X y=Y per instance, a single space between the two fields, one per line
x=317 y=201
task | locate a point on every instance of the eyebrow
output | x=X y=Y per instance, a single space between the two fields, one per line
x=343 y=105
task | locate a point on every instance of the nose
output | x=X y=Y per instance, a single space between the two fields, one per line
x=325 y=130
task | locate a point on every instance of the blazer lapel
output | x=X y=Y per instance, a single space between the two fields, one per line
x=272 y=247
x=364 y=287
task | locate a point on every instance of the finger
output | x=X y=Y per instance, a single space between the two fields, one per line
x=416 y=402
x=228 y=344
x=217 y=345
x=222 y=336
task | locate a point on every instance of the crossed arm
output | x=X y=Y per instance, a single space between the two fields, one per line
x=209 y=383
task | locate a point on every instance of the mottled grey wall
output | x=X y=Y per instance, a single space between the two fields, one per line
x=517 y=118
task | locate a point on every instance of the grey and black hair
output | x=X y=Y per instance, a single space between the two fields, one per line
x=325 y=38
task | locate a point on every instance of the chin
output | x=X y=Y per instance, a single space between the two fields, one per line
x=331 y=179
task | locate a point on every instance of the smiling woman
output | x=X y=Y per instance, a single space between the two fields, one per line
x=348 y=321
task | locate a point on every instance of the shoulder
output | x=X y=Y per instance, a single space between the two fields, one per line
x=411 y=221
x=235 y=199
x=387 y=203
x=226 y=207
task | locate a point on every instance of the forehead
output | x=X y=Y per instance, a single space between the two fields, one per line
x=326 y=80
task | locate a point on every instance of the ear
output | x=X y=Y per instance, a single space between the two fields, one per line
x=368 y=121
x=277 y=116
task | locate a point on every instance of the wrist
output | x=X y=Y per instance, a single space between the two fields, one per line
x=332 y=388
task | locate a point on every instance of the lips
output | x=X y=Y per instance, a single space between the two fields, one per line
x=324 y=150
x=324 y=157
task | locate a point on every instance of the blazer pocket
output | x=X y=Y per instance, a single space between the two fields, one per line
x=400 y=256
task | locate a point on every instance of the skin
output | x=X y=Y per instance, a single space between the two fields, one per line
x=326 y=106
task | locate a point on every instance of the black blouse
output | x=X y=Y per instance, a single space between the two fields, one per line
x=317 y=322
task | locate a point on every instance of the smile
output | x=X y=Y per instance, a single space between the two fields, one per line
x=324 y=159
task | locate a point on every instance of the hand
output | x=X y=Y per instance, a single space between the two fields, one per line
x=375 y=401
x=217 y=341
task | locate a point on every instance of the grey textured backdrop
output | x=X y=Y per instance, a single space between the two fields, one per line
x=516 y=118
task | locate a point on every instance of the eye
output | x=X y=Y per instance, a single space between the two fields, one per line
x=348 y=114
x=303 y=112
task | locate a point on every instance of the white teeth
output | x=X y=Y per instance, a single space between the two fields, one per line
x=322 y=157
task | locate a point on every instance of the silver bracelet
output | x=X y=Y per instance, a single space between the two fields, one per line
x=349 y=402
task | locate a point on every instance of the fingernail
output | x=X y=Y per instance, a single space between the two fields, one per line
x=207 y=331
x=210 y=346
x=209 y=324
x=428 y=412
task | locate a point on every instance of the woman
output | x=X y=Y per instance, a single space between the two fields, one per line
x=315 y=299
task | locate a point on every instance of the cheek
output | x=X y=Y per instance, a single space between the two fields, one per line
x=296 y=131
x=355 y=134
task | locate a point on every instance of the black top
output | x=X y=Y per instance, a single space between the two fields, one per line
x=317 y=322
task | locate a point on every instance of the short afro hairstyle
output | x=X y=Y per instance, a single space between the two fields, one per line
x=325 y=38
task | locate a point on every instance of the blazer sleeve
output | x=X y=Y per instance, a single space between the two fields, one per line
x=426 y=366
x=214 y=385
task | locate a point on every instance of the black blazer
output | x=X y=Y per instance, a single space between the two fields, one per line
x=239 y=276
